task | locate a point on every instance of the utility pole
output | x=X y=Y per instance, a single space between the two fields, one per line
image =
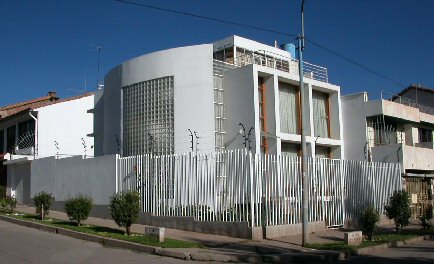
x=305 y=228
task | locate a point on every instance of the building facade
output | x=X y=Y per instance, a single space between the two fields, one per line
x=230 y=94
x=59 y=128
x=396 y=129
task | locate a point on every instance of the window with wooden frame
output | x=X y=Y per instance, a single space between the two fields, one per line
x=289 y=108
x=321 y=114
x=262 y=114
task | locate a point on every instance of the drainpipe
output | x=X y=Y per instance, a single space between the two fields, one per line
x=36 y=133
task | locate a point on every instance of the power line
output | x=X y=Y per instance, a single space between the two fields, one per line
x=205 y=17
x=366 y=68
x=358 y=64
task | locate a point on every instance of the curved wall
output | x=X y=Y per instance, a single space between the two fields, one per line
x=192 y=69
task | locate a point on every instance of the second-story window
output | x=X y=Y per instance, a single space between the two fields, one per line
x=425 y=135
x=320 y=114
x=289 y=108
x=11 y=139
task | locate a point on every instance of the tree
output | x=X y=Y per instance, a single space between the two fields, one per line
x=125 y=208
x=398 y=209
x=43 y=202
x=78 y=208
x=370 y=218
x=425 y=218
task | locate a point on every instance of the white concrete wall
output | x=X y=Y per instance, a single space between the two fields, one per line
x=354 y=126
x=18 y=182
x=239 y=98
x=67 y=123
x=192 y=68
x=67 y=177
x=250 y=45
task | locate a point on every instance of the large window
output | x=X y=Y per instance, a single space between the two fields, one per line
x=320 y=114
x=289 y=108
x=26 y=134
x=148 y=117
x=262 y=118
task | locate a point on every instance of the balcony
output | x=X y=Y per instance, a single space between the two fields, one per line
x=289 y=65
x=411 y=157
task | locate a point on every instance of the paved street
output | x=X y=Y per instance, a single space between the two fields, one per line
x=418 y=253
x=20 y=244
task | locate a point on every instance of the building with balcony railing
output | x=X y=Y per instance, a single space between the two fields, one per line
x=152 y=102
x=392 y=129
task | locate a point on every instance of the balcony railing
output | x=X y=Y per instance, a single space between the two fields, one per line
x=406 y=101
x=290 y=65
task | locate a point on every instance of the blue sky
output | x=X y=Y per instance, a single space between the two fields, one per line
x=50 y=45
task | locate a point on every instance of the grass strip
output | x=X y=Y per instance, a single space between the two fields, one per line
x=109 y=232
x=377 y=240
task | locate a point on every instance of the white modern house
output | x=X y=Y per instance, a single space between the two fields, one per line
x=59 y=128
x=230 y=94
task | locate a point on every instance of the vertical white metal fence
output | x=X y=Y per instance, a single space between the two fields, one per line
x=263 y=190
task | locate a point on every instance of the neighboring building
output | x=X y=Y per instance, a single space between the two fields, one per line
x=50 y=128
x=151 y=102
x=394 y=130
x=8 y=110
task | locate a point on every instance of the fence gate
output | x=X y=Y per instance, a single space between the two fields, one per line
x=420 y=191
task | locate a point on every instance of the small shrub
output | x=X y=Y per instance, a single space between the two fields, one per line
x=43 y=202
x=370 y=218
x=398 y=209
x=78 y=208
x=125 y=208
x=7 y=205
x=426 y=217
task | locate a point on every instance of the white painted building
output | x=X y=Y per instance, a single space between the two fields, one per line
x=397 y=129
x=152 y=102
x=61 y=128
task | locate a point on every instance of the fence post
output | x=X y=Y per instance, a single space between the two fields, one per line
x=252 y=207
x=117 y=176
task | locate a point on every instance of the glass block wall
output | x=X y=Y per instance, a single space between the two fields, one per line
x=148 y=117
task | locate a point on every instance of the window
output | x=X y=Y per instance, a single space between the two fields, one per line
x=320 y=114
x=2 y=141
x=322 y=152
x=26 y=132
x=148 y=117
x=290 y=149
x=262 y=119
x=289 y=108
x=425 y=135
x=11 y=139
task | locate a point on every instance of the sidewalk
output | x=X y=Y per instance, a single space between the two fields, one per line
x=275 y=250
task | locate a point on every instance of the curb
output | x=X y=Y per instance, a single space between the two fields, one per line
x=111 y=242
x=367 y=250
